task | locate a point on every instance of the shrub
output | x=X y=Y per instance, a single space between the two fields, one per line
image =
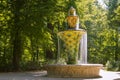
x=31 y=65
x=113 y=65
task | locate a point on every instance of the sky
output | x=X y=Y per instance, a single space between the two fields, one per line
x=102 y=3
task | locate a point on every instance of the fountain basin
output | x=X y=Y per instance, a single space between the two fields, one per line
x=82 y=70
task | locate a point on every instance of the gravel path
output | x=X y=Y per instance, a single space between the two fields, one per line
x=105 y=75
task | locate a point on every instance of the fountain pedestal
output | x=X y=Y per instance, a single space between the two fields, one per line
x=80 y=71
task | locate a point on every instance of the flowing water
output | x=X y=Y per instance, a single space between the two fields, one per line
x=83 y=50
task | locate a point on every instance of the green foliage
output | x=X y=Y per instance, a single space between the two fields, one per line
x=31 y=65
x=113 y=65
x=61 y=61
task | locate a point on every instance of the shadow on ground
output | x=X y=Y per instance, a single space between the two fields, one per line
x=117 y=78
x=53 y=78
x=45 y=77
x=118 y=73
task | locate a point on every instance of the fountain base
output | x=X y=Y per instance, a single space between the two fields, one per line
x=82 y=70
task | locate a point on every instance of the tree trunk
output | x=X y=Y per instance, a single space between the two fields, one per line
x=117 y=46
x=17 y=51
x=17 y=41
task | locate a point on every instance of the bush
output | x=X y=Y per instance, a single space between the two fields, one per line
x=59 y=61
x=113 y=65
x=31 y=65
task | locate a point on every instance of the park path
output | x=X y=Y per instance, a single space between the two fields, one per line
x=41 y=75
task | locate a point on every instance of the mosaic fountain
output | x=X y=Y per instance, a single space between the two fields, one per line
x=72 y=52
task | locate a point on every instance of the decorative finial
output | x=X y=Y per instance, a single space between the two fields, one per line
x=72 y=19
x=72 y=11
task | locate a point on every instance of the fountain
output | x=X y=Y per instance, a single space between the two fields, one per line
x=72 y=52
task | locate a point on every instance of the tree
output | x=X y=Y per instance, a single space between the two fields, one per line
x=16 y=7
x=112 y=5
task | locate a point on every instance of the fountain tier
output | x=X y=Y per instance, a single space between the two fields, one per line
x=69 y=45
